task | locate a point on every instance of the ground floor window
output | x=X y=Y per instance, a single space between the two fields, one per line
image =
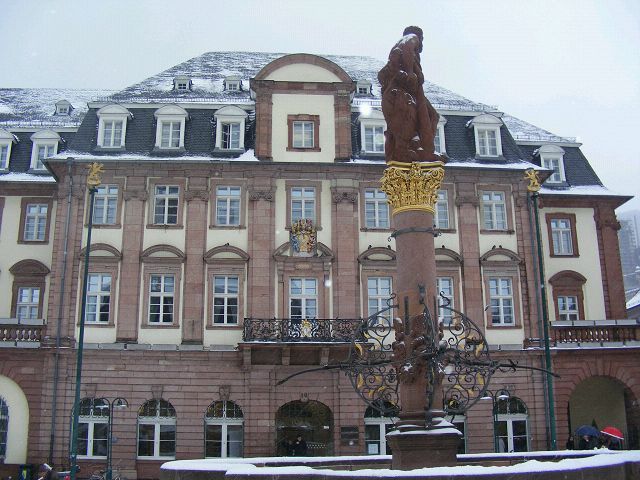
x=376 y=427
x=511 y=425
x=4 y=427
x=93 y=428
x=156 y=430
x=223 y=435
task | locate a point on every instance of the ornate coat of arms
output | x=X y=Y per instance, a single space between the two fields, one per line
x=303 y=238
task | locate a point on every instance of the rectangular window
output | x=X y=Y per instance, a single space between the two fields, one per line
x=161 y=299
x=376 y=208
x=28 y=303
x=437 y=143
x=225 y=299
x=554 y=164
x=98 y=298
x=228 y=205
x=105 y=205
x=35 y=222
x=441 y=218
x=166 y=205
x=44 y=151
x=4 y=157
x=230 y=136
x=182 y=86
x=568 y=308
x=378 y=293
x=170 y=134
x=561 y=236
x=303 y=203
x=303 y=134
x=487 y=143
x=303 y=298
x=494 y=211
x=374 y=139
x=501 y=301
x=112 y=136
x=444 y=286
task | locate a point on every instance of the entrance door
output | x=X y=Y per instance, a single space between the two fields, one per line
x=311 y=420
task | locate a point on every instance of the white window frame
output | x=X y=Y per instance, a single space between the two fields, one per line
x=502 y=302
x=565 y=313
x=112 y=113
x=63 y=107
x=93 y=420
x=225 y=422
x=168 y=115
x=552 y=158
x=106 y=199
x=377 y=138
x=303 y=140
x=378 y=199
x=306 y=203
x=157 y=421
x=225 y=200
x=47 y=139
x=162 y=294
x=164 y=200
x=491 y=205
x=307 y=297
x=32 y=303
x=561 y=236
x=441 y=217
x=230 y=115
x=40 y=228
x=371 y=119
x=382 y=423
x=509 y=418
x=482 y=124
x=6 y=142
x=379 y=290
x=363 y=87
x=445 y=316
x=233 y=84
x=226 y=296
x=98 y=297
x=439 y=138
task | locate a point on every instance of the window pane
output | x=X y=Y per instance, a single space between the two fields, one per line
x=145 y=440
x=167 y=440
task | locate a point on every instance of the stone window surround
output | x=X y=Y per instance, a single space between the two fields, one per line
x=363 y=221
x=119 y=182
x=230 y=182
x=23 y=216
x=108 y=265
x=289 y=184
x=226 y=267
x=452 y=270
x=181 y=183
x=28 y=273
x=571 y=217
x=162 y=266
x=112 y=113
x=506 y=189
x=294 y=267
x=316 y=132
x=568 y=283
x=498 y=269
x=449 y=188
x=375 y=268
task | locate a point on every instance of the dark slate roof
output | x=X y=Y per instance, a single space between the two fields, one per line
x=35 y=107
x=21 y=151
x=578 y=171
x=524 y=131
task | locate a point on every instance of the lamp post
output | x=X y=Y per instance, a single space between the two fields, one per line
x=93 y=181
x=502 y=394
x=116 y=403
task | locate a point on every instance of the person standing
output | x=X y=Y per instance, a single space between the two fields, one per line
x=299 y=447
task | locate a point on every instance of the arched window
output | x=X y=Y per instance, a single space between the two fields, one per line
x=156 y=430
x=4 y=427
x=511 y=425
x=223 y=430
x=93 y=428
x=376 y=426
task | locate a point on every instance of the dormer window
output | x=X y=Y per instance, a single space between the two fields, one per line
x=372 y=127
x=171 y=120
x=487 y=134
x=6 y=140
x=363 y=87
x=182 y=83
x=112 y=126
x=230 y=125
x=233 y=84
x=63 y=107
x=439 y=141
x=45 y=145
x=552 y=158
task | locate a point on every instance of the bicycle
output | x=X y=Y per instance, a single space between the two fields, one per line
x=101 y=475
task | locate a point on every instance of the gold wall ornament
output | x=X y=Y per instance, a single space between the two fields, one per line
x=95 y=169
x=414 y=186
x=534 y=180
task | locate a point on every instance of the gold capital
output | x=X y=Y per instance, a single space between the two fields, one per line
x=95 y=169
x=414 y=186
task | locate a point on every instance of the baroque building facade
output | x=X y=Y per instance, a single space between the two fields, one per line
x=240 y=235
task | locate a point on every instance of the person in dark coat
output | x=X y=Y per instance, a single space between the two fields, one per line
x=299 y=447
x=587 y=442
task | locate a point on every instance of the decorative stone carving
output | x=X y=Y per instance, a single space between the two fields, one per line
x=225 y=392
x=413 y=187
x=196 y=194
x=268 y=195
x=467 y=199
x=136 y=193
x=341 y=195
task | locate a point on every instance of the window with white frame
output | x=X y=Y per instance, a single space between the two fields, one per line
x=7 y=139
x=303 y=203
x=161 y=299
x=224 y=430
x=43 y=151
x=4 y=157
x=501 y=301
x=156 y=430
x=105 y=205
x=303 y=134
x=93 y=428
x=112 y=126
x=182 y=83
x=225 y=299
x=567 y=308
x=4 y=427
x=171 y=121
x=439 y=140
x=165 y=206
x=441 y=218
x=230 y=126
x=303 y=298
x=373 y=138
x=35 y=222
x=28 y=303
x=378 y=293
x=376 y=427
x=63 y=107
x=561 y=236
x=98 y=298
x=487 y=134
x=444 y=286
x=487 y=142
x=170 y=134
x=494 y=211
x=363 y=87
x=511 y=425
x=230 y=136
x=228 y=205
x=45 y=145
x=232 y=83
x=376 y=208
x=552 y=158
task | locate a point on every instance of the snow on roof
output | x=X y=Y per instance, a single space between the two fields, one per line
x=36 y=107
x=634 y=301
x=580 y=190
x=247 y=156
x=524 y=131
x=26 y=177
x=522 y=165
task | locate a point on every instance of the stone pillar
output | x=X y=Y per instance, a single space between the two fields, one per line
x=197 y=197
x=342 y=112
x=607 y=227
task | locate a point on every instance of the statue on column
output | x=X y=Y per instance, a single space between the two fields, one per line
x=412 y=121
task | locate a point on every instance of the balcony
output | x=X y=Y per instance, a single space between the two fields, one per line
x=23 y=333
x=291 y=330
x=591 y=334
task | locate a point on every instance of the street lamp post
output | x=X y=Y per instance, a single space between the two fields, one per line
x=116 y=403
x=93 y=181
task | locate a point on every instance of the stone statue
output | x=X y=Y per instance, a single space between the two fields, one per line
x=411 y=119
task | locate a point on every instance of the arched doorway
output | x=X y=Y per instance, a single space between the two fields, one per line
x=312 y=420
x=604 y=401
x=14 y=422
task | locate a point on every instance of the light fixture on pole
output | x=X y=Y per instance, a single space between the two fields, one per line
x=116 y=403
x=93 y=181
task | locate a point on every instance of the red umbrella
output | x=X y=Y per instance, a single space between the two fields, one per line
x=612 y=432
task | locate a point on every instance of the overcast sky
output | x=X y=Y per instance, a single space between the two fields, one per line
x=571 y=67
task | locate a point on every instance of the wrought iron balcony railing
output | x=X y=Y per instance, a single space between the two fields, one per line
x=333 y=330
x=14 y=332
x=591 y=333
